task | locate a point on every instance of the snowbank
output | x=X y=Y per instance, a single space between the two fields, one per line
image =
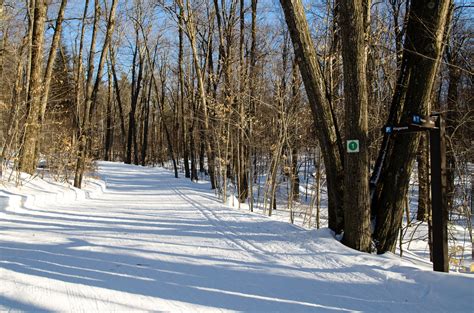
x=31 y=191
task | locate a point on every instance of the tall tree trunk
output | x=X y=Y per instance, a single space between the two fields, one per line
x=108 y=116
x=49 y=68
x=243 y=168
x=398 y=30
x=134 y=96
x=161 y=99
x=30 y=138
x=181 y=94
x=252 y=94
x=146 y=114
x=422 y=51
x=322 y=113
x=16 y=102
x=165 y=126
x=31 y=21
x=454 y=78
x=92 y=92
x=356 y=167
x=194 y=175
x=119 y=101
x=79 y=74
x=52 y=58
x=2 y=44
x=81 y=158
x=191 y=33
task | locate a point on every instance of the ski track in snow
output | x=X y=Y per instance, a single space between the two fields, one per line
x=151 y=242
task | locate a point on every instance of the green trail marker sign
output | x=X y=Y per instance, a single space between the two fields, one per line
x=353 y=146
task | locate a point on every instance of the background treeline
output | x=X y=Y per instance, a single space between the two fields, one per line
x=214 y=88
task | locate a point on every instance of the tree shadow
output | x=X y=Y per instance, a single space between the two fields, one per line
x=14 y=305
x=199 y=280
x=157 y=253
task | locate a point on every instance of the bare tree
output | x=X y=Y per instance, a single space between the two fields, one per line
x=190 y=30
x=30 y=138
x=320 y=102
x=51 y=58
x=92 y=91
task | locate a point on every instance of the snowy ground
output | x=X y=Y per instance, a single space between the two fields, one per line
x=150 y=242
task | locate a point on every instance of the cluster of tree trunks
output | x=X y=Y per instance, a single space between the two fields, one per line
x=422 y=50
x=204 y=109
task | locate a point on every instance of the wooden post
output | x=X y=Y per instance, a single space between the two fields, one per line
x=438 y=194
x=439 y=203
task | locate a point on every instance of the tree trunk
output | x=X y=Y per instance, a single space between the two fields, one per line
x=202 y=148
x=136 y=86
x=119 y=101
x=356 y=167
x=423 y=180
x=322 y=113
x=454 y=78
x=182 y=96
x=108 y=117
x=243 y=168
x=79 y=75
x=194 y=175
x=52 y=58
x=92 y=92
x=295 y=179
x=13 y=119
x=252 y=94
x=146 y=109
x=27 y=157
x=191 y=33
x=82 y=144
x=423 y=49
x=165 y=126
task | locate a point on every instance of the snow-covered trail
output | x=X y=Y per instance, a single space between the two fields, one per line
x=151 y=242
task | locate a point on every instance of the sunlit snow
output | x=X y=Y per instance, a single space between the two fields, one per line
x=145 y=241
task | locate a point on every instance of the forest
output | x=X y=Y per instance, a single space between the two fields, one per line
x=262 y=99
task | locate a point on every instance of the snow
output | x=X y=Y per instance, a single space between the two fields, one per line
x=150 y=242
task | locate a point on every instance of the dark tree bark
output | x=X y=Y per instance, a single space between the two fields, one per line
x=295 y=179
x=119 y=100
x=356 y=167
x=194 y=175
x=202 y=148
x=137 y=75
x=422 y=51
x=161 y=104
x=109 y=134
x=454 y=78
x=243 y=135
x=181 y=95
x=146 y=118
x=323 y=116
x=252 y=92
x=423 y=180
x=398 y=30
